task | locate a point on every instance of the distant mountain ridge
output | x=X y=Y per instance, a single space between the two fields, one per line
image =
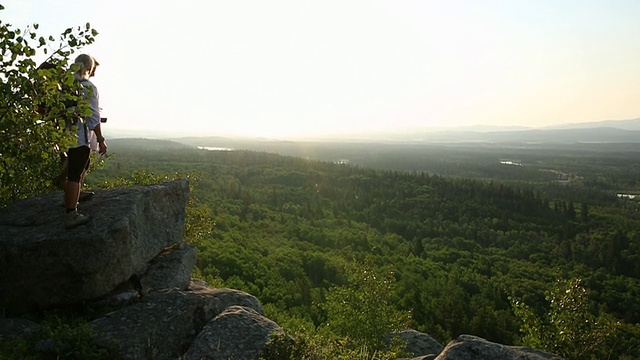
x=606 y=131
x=630 y=124
x=577 y=135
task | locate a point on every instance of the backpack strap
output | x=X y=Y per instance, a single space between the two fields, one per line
x=86 y=133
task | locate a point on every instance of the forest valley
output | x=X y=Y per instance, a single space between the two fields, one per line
x=540 y=251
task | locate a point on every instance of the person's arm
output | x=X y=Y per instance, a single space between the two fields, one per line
x=102 y=144
x=94 y=120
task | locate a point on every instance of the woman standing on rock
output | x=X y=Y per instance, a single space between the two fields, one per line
x=87 y=127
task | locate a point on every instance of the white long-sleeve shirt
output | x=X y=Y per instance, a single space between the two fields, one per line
x=90 y=122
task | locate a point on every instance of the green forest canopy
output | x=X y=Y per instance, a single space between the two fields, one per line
x=286 y=228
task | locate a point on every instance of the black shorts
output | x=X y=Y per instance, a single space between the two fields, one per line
x=78 y=162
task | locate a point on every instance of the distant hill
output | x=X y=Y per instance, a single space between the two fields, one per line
x=490 y=128
x=576 y=135
x=607 y=131
x=632 y=124
x=543 y=136
x=144 y=144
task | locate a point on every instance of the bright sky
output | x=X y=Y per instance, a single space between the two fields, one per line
x=290 y=68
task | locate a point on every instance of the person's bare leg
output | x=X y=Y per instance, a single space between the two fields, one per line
x=84 y=195
x=71 y=194
x=77 y=184
x=84 y=173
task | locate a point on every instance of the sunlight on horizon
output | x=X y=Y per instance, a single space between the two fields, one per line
x=287 y=68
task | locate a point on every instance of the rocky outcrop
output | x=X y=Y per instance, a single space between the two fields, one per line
x=468 y=347
x=170 y=270
x=419 y=343
x=18 y=327
x=165 y=324
x=131 y=259
x=44 y=265
x=243 y=331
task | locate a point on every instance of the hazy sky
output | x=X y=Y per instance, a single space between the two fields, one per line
x=287 y=68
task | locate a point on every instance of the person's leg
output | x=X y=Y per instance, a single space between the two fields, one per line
x=85 y=195
x=74 y=173
x=78 y=159
x=71 y=195
x=86 y=167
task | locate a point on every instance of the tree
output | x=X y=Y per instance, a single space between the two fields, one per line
x=364 y=310
x=568 y=329
x=584 y=212
x=32 y=106
x=571 y=211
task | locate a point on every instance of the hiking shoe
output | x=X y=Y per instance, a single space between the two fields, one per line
x=85 y=195
x=74 y=218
